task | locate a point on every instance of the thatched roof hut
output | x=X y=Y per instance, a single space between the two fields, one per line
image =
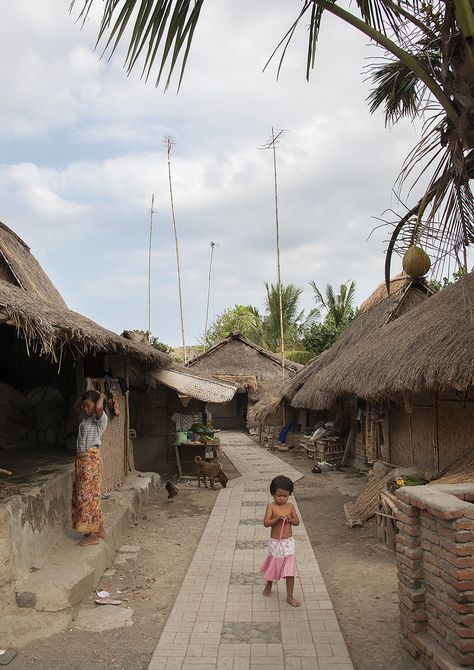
x=238 y=361
x=18 y=267
x=31 y=304
x=252 y=369
x=306 y=389
x=429 y=349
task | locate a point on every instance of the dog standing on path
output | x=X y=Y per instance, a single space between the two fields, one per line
x=211 y=470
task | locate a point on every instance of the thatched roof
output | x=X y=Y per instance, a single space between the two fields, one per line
x=204 y=360
x=429 y=348
x=18 y=267
x=48 y=327
x=305 y=389
x=30 y=303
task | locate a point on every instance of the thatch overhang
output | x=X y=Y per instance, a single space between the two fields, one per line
x=195 y=386
x=304 y=389
x=31 y=304
x=48 y=327
x=236 y=335
x=428 y=349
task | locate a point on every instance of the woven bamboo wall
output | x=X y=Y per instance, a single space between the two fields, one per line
x=113 y=448
x=455 y=427
x=412 y=436
x=436 y=432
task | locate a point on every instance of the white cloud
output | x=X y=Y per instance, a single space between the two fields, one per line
x=83 y=152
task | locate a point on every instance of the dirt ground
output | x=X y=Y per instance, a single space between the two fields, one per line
x=360 y=573
x=168 y=534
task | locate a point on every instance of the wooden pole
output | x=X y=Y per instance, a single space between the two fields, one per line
x=149 y=268
x=436 y=440
x=213 y=244
x=412 y=451
x=277 y=226
x=169 y=145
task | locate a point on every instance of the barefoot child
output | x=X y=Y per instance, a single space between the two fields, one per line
x=280 y=516
x=87 y=485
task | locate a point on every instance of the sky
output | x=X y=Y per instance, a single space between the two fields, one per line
x=82 y=152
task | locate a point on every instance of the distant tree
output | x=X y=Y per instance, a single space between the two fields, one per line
x=321 y=336
x=294 y=319
x=245 y=318
x=264 y=329
x=446 y=281
x=153 y=341
x=339 y=307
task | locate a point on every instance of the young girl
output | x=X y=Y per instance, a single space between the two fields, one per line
x=87 y=485
x=280 y=516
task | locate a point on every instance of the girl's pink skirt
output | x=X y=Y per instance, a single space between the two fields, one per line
x=280 y=561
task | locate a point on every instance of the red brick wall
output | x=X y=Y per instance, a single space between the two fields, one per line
x=435 y=561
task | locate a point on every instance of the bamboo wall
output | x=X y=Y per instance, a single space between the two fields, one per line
x=113 y=451
x=438 y=429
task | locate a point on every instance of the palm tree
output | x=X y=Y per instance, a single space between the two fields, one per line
x=339 y=308
x=428 y=71
x=294 y=319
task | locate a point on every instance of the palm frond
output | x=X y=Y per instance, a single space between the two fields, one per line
x=396 y=89
x=318 y=296
x=442 y=221
x=166 y=25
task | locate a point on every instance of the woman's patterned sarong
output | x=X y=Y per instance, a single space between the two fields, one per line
x=86 y=492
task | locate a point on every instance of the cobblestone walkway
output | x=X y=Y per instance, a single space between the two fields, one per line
x=220 y=620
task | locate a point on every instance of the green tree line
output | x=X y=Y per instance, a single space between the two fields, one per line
x=306 y=334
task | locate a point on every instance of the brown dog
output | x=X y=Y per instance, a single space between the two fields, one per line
x=212 y=471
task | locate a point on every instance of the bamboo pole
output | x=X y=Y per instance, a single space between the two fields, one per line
x=169 y=145
x=436 y=439
x=277 y=226
x=149 y=268
x=213 y=245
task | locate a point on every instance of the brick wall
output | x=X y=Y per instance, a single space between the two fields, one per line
x=435 y=561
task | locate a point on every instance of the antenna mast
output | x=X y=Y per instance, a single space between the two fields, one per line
x=152 y=211
x=213 y=245
x=271 y=144
x=169 y=143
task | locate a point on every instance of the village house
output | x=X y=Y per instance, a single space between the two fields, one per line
x=418 y=372
x=50 y=355
x=249 y=367
x=312 y=399
x=409 y=386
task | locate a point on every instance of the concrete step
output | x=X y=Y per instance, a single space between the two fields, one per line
x=69 y=573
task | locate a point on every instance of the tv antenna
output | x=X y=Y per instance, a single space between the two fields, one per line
x=213 y=245
x=272 y=144
x=169 y=144
x=152 y=211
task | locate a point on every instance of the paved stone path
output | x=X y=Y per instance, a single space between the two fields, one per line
x=220 y=620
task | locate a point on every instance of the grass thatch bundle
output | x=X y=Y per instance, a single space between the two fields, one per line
x=32 y=305
x=305 y=389
x=426 y=349
x=48 y=327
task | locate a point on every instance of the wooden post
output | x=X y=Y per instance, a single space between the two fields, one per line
x=436 y=440
x=79 y=376
x=349 y=443
x=130 y=463
x=412 y=452
x=178 y=460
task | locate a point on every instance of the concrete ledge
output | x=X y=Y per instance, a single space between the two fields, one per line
x=69 y=573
